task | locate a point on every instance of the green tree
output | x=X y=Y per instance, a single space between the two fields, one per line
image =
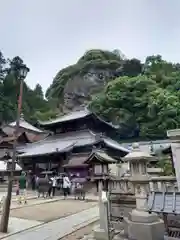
x=2 y=66
x=138 y=101
x=33 y=100
x=38 y=91
x=166 y=165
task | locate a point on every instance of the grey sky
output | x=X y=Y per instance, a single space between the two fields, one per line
x=50 y=35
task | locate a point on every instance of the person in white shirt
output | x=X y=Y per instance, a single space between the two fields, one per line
x=66 y=185
x=54 y=184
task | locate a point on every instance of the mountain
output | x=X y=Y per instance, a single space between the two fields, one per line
x=142 y=98
x=75 y=85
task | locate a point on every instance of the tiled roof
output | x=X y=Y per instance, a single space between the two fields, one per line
x=101 y=156
x=26 y=125
x=12 y=137
x=113 y=144
x=167 y=202
x=77 y=160
x=47 y=147
x=78 y=114
x=68 y=117
x=80 y=138
x=77 y=139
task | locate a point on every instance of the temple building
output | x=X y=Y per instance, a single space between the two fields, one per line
x=72 y=139
x=27 y=134
x=32 y=133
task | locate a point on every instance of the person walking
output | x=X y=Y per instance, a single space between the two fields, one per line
x=22 y=188
x=33 y=182
x=66 y=186
x=50 y=188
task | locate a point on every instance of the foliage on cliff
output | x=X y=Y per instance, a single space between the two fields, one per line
x=94 y=59
x=34 y=105
x=142 y=98
x=145 y=105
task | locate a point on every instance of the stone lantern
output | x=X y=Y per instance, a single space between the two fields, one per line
x=138 y=174
x=140 y=224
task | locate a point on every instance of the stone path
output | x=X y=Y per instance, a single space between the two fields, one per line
x=59 y=228
x=33 y=201
x=18 y=225
x=83 y=233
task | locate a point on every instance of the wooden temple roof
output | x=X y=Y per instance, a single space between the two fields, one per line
x=164 y=202
x=46 y=148
x=101 y=156
x=9 y=128
x=75 y=115
x=70 y=140
x=83 y=160
x=68 y=117
x=77 y=160
x=11 y=138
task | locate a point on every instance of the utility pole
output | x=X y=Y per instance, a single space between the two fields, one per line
x=7 y=204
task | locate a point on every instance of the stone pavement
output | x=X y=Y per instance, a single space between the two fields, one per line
x=30 y=194
x=50 y=210
x=59 y=228
x=33 y=201
x=18 y=225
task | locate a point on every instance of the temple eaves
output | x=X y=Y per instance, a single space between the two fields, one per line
x=75 y=115
x=74 y=139
x=23 y=124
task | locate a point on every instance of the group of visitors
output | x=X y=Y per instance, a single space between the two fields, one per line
x=49 y=185
x=45 y=186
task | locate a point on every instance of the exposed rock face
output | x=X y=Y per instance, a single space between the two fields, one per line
x=79 y=89
x=74 y=85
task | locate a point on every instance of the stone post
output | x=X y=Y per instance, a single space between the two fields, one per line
x=174 y=135
x=140 y=224
x=103 y=232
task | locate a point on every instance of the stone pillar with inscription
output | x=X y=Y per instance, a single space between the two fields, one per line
x=140 y=224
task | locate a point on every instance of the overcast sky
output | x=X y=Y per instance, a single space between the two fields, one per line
x=51 y=34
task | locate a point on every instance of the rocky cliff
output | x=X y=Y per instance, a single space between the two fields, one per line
x=75 y=85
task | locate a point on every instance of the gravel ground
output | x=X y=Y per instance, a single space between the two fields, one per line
x=51 y=211
x=78 y=235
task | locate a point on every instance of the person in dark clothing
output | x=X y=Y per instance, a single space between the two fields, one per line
x=50 y=188
x=33 y=182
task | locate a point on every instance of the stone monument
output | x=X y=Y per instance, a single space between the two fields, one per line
x=103 y=231
x=140 y=224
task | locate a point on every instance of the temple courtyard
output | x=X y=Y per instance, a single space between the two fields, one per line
x=50 y=218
